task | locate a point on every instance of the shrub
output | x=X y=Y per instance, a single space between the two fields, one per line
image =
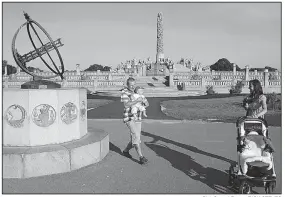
x=273 y=102
x=181 y=86
x=272 y=77
x=166 y=82
x=237 y=89
x=210 y=90
x=195 y=77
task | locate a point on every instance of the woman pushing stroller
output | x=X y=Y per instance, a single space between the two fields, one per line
x=255 y=147
x=255 y=104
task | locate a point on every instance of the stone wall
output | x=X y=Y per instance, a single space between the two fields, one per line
x=222 y=81
x=96 y=81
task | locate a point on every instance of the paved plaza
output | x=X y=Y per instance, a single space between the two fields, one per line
x=184 y=157
x=45 y=122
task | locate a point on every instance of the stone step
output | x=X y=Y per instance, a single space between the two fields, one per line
x=156 y=92
x=33 y=161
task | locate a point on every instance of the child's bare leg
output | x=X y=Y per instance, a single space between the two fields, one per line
x=144 y=113
x=135 y=116
x=140 y=115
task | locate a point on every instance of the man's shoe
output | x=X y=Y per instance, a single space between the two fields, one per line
x=143 y=160
x=127 y=154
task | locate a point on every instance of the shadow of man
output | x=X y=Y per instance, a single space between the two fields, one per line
x=117 y=150
x=215 y=179
x=157 y=138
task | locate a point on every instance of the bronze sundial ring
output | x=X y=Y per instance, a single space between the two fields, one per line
x=38 y=52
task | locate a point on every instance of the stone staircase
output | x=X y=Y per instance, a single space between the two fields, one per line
x=151 y=82
x=153 y=87
x=155 y=92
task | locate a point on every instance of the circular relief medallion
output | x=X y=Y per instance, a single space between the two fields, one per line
x=68 y=113
x=43 y=115
x=15 y=116
x=83 y=110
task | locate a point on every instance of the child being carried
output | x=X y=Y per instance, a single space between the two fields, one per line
x=138 y=109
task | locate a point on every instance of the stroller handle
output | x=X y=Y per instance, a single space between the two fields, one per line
x=244 y=118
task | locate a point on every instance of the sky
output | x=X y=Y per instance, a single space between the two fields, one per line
x=110 y=33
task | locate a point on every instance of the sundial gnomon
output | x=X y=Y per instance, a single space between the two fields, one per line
x=45 y=48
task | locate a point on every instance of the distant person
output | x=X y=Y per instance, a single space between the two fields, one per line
x=255 y=104
x=133 y=125
x=138 y=109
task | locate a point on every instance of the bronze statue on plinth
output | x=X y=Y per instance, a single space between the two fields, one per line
x=21 y=60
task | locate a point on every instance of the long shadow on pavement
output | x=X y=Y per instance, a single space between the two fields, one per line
x=157 y=138
x=215 y=179
x=188 y=165
x=116 y=149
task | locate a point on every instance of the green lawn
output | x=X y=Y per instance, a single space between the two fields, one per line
x=94 y=103
x=215 y=109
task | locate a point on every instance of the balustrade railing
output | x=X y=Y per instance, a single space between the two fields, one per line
x=194 y=83
x=218 y=83
x=259 y=77
x=274 y=83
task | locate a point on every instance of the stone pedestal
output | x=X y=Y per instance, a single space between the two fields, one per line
x=165 y=70
x=33 y=117
x=95 y=84
x=203 y=83
x=140 y=71
x=266 y=78
x=171 y=82
x=234 y=82
x=247 y=72
x=77 y=69
x=110 y=78
x=6 y=71
x=5 y=83
x=144 y=70
x=234 y=69
x=255 y=72
x=276 y=72
x=45 y=132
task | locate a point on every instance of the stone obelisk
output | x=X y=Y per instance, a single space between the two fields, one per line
x=159 y=42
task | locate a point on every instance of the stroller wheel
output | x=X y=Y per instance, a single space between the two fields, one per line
x=244 y=188
x=269 y=187
x=231 y=174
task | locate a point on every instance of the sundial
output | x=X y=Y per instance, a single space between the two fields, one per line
x=38 y=52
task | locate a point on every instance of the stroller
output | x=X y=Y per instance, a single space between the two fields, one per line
x=257 y=174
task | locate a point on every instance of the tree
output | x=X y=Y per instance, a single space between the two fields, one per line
x=223 y=65
x=270 y=69
x=32 y=69
x=107 y=68
x=10 y=69
x=96 y=67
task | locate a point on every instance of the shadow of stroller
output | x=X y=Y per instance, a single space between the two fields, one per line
x=157 y=138
x=215 y=179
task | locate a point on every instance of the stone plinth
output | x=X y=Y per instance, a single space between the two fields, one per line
x=40 y=84
x=25 y=162
x=33 y=117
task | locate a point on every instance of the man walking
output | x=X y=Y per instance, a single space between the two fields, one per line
x=133 y=125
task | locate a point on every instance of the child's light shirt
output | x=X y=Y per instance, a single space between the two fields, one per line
x=136 y=96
